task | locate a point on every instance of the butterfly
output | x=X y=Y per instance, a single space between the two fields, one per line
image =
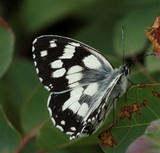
x=83 y=84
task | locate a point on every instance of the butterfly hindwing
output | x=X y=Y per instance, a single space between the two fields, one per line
x=73 y=113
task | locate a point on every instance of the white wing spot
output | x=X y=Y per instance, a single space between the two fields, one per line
x=50 y=111
x=67 y=55
x=74 y=44
x=68 y=52
x=35 y=63
x=62 y=122
x=59 y=73
x=50 y=85
x=56 y=64
x=33 y=48
x=74 y=77
x=91 y=89
x=47 y=88
x=53 y=121
x=52 y=44
x=69 y=132
x=83 y=110
x=74 y=69
x=48 y=102
x=40 y=79
x=35 y=40
x=106 y=62
x=72 y=137
x=73 y=128
x=74 y=97
x=37 y=70
x=89 y=120
x=73 y=85
x=43 y=53
x=92 y=62
x=34 y=56
x=59 y=127
x=69 y=48
x=75 y=107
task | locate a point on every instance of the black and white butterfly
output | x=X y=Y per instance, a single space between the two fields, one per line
x=83 y=84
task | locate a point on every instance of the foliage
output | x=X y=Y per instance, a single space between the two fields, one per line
x=24 y=120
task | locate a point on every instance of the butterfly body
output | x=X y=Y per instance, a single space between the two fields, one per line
x=83 y=83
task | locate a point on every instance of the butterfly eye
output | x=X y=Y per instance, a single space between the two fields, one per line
x=126 y=70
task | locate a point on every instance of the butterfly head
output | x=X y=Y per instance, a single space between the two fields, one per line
x=125 y=70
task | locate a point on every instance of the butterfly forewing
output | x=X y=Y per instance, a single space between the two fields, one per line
x=80 y=80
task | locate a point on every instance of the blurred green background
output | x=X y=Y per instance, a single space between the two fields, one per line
x=24 y=123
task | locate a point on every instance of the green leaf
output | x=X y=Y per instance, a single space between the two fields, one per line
x=137 y=110
x=149 y=142
x=29 y=147
x=20 y=81
x=51 y=137
x=53 y=11
x=6 y=46
x=34 y=113
x=135 y=22
x=9 y=137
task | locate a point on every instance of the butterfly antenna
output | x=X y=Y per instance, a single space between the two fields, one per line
x=122 y=29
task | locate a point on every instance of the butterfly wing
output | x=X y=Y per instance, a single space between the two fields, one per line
x=78 y=78
x=106 y=103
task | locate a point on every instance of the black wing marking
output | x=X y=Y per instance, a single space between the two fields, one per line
x=78 y=77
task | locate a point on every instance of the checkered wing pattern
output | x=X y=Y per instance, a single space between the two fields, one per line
x=81 y=81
